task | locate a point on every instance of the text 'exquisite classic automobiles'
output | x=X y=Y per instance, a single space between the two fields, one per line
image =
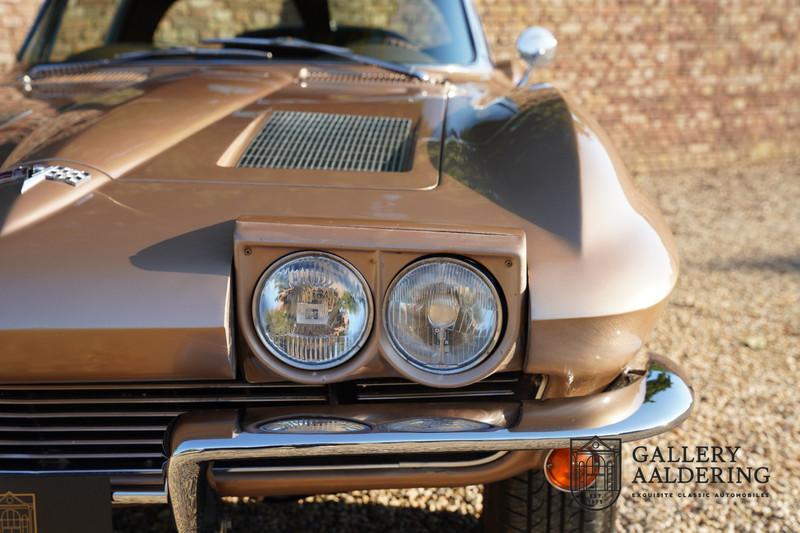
x=283 y=247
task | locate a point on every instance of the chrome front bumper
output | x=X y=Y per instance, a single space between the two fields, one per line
x=647 y=405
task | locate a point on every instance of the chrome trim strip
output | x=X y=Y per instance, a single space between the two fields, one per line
x=93 y=414
x=81 y=442
x=226 y=385
x=122 y=497
x=491 y=380
x=483 y=55
x=88 y=455
x=666 y=404
x=377 y=396
x=98 y=472
x=140 y=400
x=82 y=429
x=372 y=466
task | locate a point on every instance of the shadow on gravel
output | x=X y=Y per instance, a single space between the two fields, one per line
x=774 y=263
x=308 y=518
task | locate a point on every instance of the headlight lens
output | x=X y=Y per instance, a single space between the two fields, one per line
x=314 y=424
x=443 y=315
x=435 y=424
x=312 y=310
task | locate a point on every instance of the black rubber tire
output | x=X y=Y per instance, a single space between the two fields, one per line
x=528 y=503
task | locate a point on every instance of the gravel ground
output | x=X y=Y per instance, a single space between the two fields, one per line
x=734 y=325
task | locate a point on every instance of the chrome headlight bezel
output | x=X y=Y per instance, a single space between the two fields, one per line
x=276 y=351
x=485 y=352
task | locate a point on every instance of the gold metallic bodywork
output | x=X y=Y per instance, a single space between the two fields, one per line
x=142 y=275
x=164 y=223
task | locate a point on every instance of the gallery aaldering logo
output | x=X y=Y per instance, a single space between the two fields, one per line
x=17 y=513
x=595 y=471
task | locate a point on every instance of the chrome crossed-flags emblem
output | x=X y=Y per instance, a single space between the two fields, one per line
x=33 y=176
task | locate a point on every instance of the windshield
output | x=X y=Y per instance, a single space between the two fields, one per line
x=401 y=31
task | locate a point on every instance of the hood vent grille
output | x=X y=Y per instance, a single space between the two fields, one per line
x=324 y=76
x=68 y=80
x=326 y=141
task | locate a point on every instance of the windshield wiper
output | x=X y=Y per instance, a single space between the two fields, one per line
x=190 y=51
x=142 y=55
x=336 y=51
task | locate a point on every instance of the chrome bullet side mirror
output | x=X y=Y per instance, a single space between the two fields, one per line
x=537 y=47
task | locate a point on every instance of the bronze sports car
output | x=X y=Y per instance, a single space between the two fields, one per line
x=284 y=247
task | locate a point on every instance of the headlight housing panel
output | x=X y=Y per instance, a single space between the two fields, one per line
x=443 y=315
x=380 y=253
x=312 y=310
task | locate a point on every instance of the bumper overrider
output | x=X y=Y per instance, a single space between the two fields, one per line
x=640 y=406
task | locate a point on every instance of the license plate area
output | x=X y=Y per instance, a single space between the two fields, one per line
x=55 y=504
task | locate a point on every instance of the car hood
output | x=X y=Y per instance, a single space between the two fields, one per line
x=138 y=259
x=189 y=125
x=193 y=125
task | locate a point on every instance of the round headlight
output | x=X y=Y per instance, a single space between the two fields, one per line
x=443 y=315
x=312 y=310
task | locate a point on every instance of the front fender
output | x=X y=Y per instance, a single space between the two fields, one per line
x=601 y=261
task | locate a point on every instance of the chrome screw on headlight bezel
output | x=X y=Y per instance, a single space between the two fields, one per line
x=491 y=340
x=357 y=282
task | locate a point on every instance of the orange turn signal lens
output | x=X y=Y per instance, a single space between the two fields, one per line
x=567 y=471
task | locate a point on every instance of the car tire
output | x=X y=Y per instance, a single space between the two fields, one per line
x=527 y=503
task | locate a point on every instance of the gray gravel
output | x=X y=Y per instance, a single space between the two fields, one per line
x=734 y=324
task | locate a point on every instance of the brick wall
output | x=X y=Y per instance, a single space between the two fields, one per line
x=15 y=17
x=675 y=82
x=692 y=82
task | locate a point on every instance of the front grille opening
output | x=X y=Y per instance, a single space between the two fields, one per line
x=507 y=386
x=119 y=429
x=334 y=142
